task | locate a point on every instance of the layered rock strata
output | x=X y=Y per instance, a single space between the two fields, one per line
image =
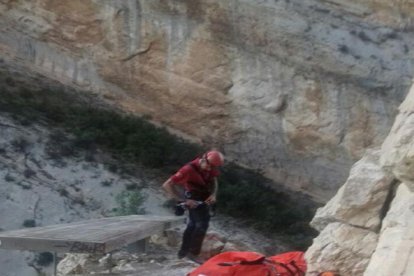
x=297 y=89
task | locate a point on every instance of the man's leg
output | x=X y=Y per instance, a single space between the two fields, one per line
x=187 y=236
x=201 y=219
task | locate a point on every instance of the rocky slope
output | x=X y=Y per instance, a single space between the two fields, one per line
x=297 y=89
x=45 y=179
x=367 y=228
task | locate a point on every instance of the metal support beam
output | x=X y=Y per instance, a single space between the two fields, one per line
x=54 y=264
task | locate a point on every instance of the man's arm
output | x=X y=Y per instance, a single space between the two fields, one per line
x=172 y=193
x=168 y=186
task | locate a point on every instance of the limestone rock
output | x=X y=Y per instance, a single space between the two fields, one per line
x=398 y=147
x=234 y=246
x=213 y=244
x=360 y=200
x=370 y=178
x=159 y=239
x=106 y=261
x=73 y=264
x=124 y=266
x=296 y=89
x=174 y=236
x=394 y=253
x=266 y=81
x=342 y=248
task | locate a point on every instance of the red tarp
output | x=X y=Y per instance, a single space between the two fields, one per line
x=239 y=263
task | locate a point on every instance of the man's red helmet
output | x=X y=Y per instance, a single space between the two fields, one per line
x=215 y=158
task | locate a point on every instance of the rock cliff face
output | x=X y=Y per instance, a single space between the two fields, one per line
x=367 y=228
x=297 y=89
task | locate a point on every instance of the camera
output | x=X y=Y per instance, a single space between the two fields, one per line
x=179 y=209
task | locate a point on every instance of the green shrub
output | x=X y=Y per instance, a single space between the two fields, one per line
x=28 y=173
x=9 y=178
x=107 y=183
x=246 y=194
x=29 y=223
x=129 y=203
x=44 y=258
x=20 y=144
x=24 y=185
x=127 y=136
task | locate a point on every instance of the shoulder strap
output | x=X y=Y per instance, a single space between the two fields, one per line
x=197 y=171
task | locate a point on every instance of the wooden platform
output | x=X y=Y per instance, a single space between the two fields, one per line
x=90 y=236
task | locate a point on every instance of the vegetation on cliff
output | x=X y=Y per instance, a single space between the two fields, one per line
x=243 y=193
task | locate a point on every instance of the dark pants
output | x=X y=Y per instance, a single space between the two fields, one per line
x=197 y=225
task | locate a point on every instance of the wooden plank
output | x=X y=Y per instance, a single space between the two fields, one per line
x=95 y=224
x=89 y=236
x=130 y=237
x=126 y=238
x=61 y=246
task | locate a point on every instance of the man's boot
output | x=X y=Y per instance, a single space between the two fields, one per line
x=195 y=258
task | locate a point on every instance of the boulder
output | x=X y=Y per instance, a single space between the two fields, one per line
x=398 y=148
x=394 y=253
x=342 y=248
x=360 y=200
x=74 y=264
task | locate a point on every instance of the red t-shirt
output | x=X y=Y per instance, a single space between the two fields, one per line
x=195 y=180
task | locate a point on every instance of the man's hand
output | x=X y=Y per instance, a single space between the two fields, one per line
x=210 y=200
x=191 y=203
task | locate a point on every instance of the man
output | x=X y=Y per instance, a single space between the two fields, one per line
x=199 y=180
